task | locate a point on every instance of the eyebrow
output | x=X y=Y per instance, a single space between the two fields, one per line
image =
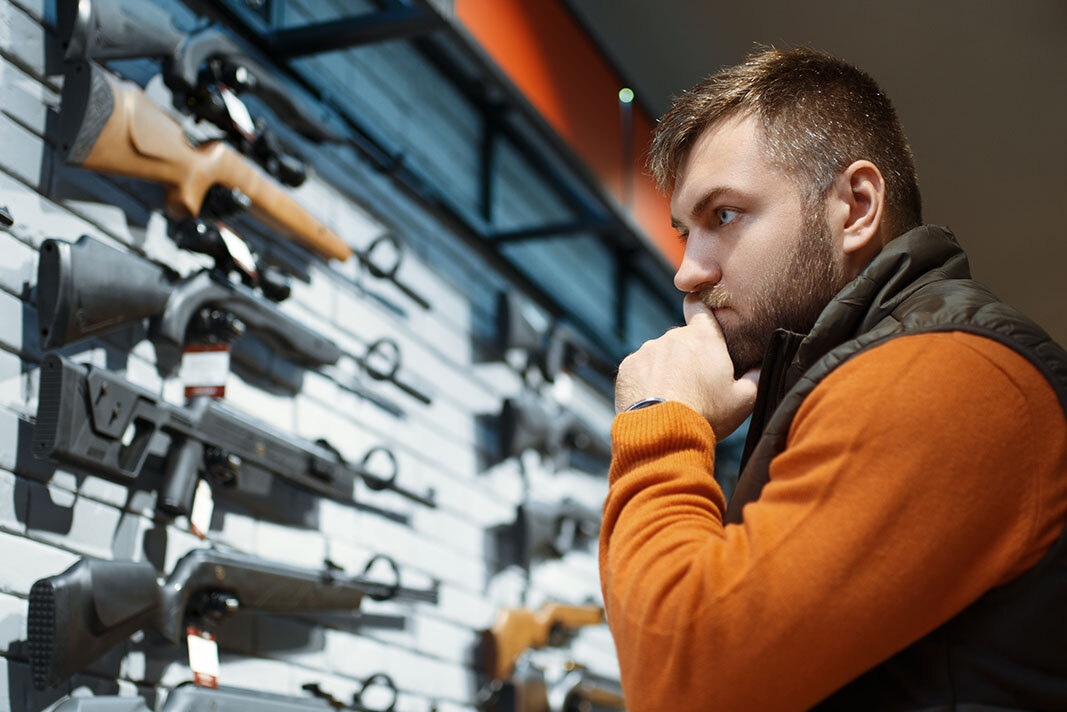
x=709 y=197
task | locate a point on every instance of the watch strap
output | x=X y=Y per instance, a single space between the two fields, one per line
x=644 y=403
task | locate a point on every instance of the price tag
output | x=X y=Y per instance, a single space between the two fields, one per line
x=204 y=369
x=203 y=508
x=239 y=115
x=203 y=657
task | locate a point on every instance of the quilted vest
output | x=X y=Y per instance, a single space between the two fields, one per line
x=1007 y=650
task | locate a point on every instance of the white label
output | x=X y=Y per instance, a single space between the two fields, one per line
x=238 y=249
x=239 y=114
x=203 y=657
x=203 y=508
x=205 y=368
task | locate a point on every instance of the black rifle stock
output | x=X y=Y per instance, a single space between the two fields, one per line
x=92 y=418
x=188 y=697
x=551 y=529
x=541 y=531
x=78 y=297
x=554 y=348
x=79 y=615
x=561 y=437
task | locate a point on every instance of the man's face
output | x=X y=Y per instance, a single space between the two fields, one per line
x=757 y=256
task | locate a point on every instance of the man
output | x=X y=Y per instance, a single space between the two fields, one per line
x=896 y=537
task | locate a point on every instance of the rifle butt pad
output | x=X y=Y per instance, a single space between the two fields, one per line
x=79 y=615
x=78 y=297
x=88 y=102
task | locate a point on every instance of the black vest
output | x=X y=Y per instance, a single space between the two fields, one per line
x=1007 y=650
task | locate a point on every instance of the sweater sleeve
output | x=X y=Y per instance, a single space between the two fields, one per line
x=917 y=476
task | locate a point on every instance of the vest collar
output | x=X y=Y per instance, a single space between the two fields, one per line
x=925 y=254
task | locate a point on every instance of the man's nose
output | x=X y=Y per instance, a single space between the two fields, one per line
x=696 y=271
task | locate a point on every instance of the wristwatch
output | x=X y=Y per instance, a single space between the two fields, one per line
x=644 y=403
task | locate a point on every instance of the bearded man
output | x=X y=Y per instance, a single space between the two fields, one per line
x=896 y=540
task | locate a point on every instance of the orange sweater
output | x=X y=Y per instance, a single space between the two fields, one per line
x=917 y=476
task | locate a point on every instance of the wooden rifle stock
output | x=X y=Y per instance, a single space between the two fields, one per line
x=518 y=629
x=110 y=125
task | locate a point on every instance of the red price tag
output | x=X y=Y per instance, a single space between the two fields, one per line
x=203 y=657
x=204 y=369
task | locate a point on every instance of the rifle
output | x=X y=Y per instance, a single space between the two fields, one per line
x=516 y=630
x=561 y=437
x=542 y=531
x=95 y=419
x=206 y=71
x=192 y=698
x=78 y=297
x=109 y=125
x=553 y=349
x=528 y=691
x=79 y=615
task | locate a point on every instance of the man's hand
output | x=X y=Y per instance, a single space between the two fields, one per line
x=690 y=364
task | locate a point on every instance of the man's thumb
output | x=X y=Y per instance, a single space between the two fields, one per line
x=749 y=383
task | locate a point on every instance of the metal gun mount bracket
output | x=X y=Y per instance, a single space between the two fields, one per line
x=382 y=244
x=381 y=362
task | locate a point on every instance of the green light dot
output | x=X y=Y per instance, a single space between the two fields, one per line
x=626 y=95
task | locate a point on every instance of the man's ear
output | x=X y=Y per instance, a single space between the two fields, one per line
x=859 y=193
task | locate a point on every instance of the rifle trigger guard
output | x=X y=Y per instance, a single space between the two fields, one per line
x=389 y=350
x=394 y=588
x=374 y=481
x=375 y=270
x=377 y=678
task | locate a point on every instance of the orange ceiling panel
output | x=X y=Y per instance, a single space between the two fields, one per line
x=551 y=59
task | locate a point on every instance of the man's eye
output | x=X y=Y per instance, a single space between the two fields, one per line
x=726 y=215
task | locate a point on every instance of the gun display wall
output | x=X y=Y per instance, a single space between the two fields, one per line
x=251 y=396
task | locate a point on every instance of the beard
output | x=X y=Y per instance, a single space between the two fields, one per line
x=790 y=298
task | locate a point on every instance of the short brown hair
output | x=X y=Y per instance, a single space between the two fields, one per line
x=817 y=113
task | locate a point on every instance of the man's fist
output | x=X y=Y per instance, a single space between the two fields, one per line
x=690 y=364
